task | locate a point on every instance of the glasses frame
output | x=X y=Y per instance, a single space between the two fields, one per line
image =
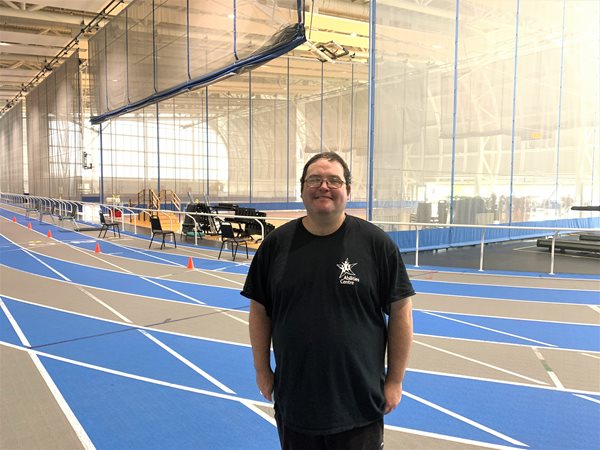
x=309 y=181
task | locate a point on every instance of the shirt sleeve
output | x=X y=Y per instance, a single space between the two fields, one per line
x=396 y=284
x=255 y=287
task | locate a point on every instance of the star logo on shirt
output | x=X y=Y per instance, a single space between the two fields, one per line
x=346 y=268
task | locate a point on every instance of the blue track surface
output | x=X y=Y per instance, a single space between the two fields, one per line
x=153 y=399
x=524 y=332
x=121 y=413
x=13 y=259
x=106 y=403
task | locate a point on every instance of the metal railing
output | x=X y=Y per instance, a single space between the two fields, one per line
x=25 y=202
x=556 y=231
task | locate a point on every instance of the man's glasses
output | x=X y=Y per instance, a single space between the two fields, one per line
x=316 y=181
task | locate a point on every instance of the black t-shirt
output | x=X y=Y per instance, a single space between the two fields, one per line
x=326 y=296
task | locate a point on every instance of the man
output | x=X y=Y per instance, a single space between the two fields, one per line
x=319 y=287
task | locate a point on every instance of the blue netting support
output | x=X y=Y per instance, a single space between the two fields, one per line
x=161 y=64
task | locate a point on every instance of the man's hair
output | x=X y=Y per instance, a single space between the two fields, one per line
x=329 y=156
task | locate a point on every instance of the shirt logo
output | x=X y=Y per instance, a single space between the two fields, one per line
x=347 y=276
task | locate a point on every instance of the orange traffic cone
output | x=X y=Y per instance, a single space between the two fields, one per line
x=190 y=263
x=14 y=219
x=29 y=225
x=97 y=248
x=49 y=233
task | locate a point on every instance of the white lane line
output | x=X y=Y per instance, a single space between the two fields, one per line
x=143 y=278
x=62 y=403
x=493 y=299
x=146 y=254
x=208 y=272
x=47 y=265
x=221 y=269
x=29 y=253
x=165 y=347
x=488 y=329
x=256 y=410
x=128 y=324
x=129 y=259
x=188 y=363
x=120 y=269
x=196 y=252
x=449 y=438
x=549 y=370
x=548 y=387
x=132 y=376
x=465 y=419
x=105 y=305
x=515 y=286
x=591 y=356
x=503 y=276
x=167 y=275
x=252 y=405
x=234 y=317
x=480 y=363
x=58 y=259
x=585 y=397
x=595 y=308
x=127 y=320
x=241 y=308
x=173 y=290
x=87 y=253
x=248 y=402
x=522 y=319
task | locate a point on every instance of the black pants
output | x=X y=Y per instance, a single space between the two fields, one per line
x=369 y=437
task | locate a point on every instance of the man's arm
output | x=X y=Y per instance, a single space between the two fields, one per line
x=400 y=336
x=260 y=338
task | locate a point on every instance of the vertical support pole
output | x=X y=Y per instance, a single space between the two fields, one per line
x=417 y=248
x=454 y=106
x=158 y=153
x=371 y=116
x=552 y=251
x=481 y=252
x=250 y=133
x=207 y=190
x=351 y=128
x=101 y=199
x=514 y=113
x=287 y=140
x=560 y=88
x=322 y=93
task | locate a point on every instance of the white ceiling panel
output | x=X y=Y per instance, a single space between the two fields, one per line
x=18 y=72
x=34 y=39
x=16 y=49
x=77 y=5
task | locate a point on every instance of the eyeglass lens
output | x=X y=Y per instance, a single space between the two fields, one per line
x=332 y=182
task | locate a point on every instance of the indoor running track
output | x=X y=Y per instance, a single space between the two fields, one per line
x=118 y=379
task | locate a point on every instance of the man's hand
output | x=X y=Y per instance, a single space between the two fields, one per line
x=260 y=338
x=400 y=333
x=265 y=381
x=393 y=394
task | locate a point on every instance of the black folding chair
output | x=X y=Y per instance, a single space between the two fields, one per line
x=228 y=235
x=106 y=225
x=156 y=228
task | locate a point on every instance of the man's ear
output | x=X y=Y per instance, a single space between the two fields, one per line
x=348 y=189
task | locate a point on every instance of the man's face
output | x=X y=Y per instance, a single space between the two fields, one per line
x=325 y=200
